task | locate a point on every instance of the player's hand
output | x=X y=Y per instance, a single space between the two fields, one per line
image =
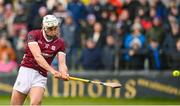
x=64 y=75
x=131 y=52
x=56 y=74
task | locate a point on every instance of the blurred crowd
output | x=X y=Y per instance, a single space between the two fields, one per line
x=98 y=34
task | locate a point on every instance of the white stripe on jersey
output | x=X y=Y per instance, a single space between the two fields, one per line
x=32 y=42
x=62 y=53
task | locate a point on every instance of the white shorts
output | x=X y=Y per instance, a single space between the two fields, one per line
x=28 y=78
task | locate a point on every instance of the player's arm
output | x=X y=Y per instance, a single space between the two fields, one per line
x=62 y=65
x=36 y=52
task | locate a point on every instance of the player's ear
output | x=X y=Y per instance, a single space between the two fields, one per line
x=44 y=28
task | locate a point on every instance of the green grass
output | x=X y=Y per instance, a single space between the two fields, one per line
x=4 y=100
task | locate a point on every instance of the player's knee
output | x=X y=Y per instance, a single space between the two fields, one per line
x=35 y=102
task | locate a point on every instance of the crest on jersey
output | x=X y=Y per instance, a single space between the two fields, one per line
x=53 y=48
x=30 y=38
x=46 y=45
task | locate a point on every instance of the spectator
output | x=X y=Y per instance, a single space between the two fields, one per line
x=152 y=13
x=50 y=4
x=117 y=4
x=145 y=6
x=123 y=23
x=171 y=38
x=88 y=26
x=107 y=6
x=71 y=37
x=134 y=43
x=157 y=31
x=33 y=11
x=143 y=14
x=104 y=19
x=175 y=56
x=38 y=19
x=161 y=9
x=175 y=12
x=131 y=6
x=109 y=53
x=78 y=10
x=60 y=12
x=111 y=24
x=19 y=43
x=1 y=6
x=7 y=56
x=20 y=20
x=3 y=28
x=122 y=29
x=91 y=56
x=156 y=56
x=9 y=16
x=95 y=8
x=98 y=35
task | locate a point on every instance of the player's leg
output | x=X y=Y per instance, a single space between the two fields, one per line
x=37 y=90
x=36 y=95
x=17 y=98
x=21 y=87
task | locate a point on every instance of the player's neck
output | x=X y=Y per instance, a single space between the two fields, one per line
x=50 y=38
x=47 y=38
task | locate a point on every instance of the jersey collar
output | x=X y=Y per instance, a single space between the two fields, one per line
x=44 y=35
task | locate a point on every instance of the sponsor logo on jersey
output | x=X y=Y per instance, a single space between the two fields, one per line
x=46 y=46
x=47 y=55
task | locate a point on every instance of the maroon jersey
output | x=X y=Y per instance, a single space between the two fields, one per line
x=49 y=49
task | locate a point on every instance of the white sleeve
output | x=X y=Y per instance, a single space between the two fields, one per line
x=61 y=53
x=33 y=42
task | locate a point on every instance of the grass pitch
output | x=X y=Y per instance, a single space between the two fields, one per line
x=4 y=100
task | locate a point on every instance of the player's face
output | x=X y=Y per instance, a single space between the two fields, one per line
x=52 y=31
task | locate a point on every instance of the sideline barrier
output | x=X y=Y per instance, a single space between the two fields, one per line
x=134 y=84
